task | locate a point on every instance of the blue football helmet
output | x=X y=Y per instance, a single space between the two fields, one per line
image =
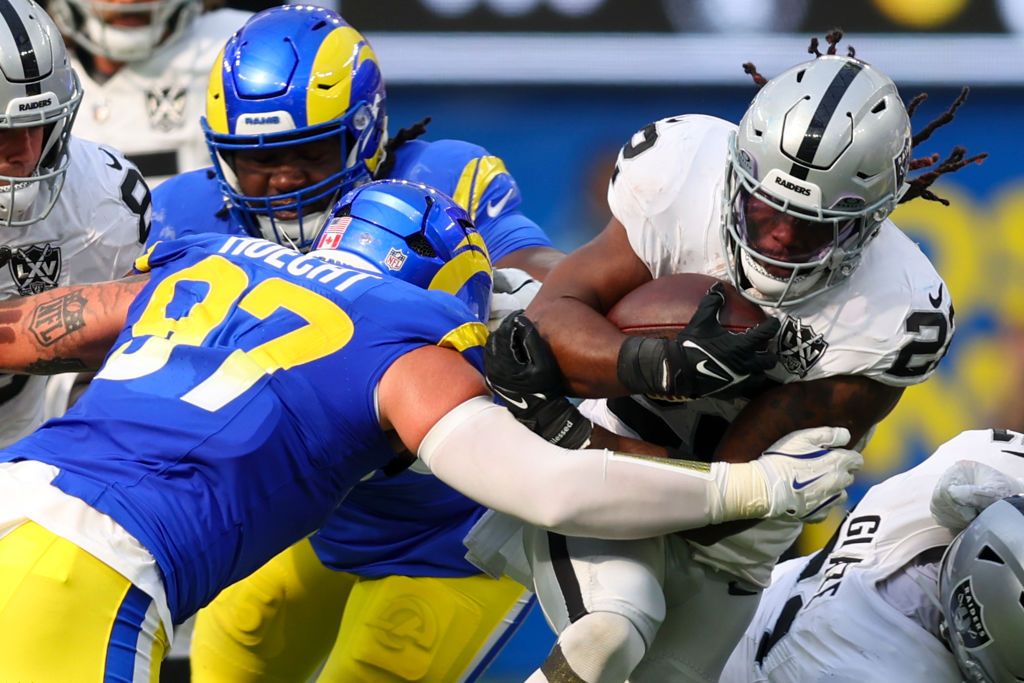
x=292 y=75
x=412 y=232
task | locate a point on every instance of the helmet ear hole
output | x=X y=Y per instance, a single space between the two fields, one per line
x=421 y=245
x=989 y=555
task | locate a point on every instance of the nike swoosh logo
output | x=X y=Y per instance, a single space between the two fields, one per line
x=494 y=209
x=114 y=163
x=797 y=485
x=521 y=404
x=702 y=368
x=935 y=301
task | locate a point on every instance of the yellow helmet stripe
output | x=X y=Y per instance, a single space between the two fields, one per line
x=216 y=109
x=456 y=273
x=465 y=336
x=475 y=178
x=330 y=81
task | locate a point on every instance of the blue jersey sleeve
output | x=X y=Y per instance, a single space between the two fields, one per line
x=189 y=204
x=480 y=183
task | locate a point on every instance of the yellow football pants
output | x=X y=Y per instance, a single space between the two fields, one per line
x=66 y=616
x=279 y=624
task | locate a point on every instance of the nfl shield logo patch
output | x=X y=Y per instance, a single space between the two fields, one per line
x=395 y=259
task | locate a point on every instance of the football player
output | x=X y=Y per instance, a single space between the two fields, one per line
x=281 y=154
x=282 y=379
x=915 y=585
x=71 y=211
x=791 y=207
x=143 y=65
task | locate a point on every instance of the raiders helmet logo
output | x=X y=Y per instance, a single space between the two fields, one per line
x=800 y=347
x=35 y=268
x=967 y=616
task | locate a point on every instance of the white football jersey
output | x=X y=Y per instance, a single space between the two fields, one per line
x=150 y=109
x=93 y=233
x=823 y=615
x=891 y=320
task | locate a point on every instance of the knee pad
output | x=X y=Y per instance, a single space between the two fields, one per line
x=598 y=648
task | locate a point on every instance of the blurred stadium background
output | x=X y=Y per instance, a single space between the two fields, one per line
x=555 y=87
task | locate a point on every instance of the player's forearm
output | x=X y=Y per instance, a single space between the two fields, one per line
x=480 y=450
x=67 y=329
x=585 y=344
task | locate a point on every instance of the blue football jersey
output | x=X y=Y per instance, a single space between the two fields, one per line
x=236 y=407
x=409 y=524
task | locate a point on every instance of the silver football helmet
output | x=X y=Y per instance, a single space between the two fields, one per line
x=981 y=593
x=38 y=88
x=827 y=143
x=124 y=32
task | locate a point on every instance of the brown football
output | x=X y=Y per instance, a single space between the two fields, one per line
x=665 y=305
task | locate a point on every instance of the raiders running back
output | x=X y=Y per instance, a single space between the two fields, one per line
x=890 y=320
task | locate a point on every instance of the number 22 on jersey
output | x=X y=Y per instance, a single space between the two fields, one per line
x=327 y=329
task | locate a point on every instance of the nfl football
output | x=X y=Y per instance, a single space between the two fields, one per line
x=665 y=305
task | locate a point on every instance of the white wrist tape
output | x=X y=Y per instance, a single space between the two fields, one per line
x=743 y=489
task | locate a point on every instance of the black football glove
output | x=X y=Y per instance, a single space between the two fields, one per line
x=523 y=373
x=703 y=359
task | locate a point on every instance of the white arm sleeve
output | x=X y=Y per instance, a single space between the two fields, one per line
x=479 y=449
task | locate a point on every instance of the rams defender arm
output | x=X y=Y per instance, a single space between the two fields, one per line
x=439 y=406
x=68 y=329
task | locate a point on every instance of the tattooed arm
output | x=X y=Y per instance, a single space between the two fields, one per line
x=68 y=329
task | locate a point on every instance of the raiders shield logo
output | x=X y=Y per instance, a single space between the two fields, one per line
x=968 y=616
x=36 y=268
x=799 y=347
x=166 y=107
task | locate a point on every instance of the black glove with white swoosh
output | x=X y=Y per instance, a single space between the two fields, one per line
x=702 y=360
x=523 y=373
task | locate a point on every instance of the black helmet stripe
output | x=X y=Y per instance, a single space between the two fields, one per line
x=27 y=52
x=822 y=115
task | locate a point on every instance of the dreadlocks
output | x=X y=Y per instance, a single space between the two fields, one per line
x=957 y=159
x=917 y=186
x=403 y=136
